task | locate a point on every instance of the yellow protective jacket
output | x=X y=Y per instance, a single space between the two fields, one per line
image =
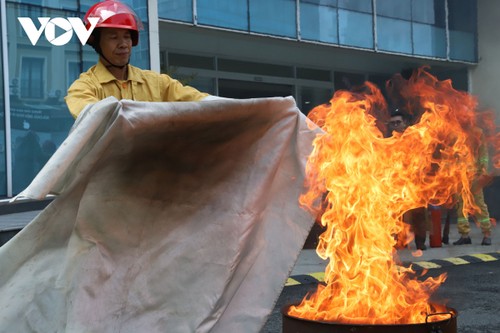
x=482 y=154
x=141 y=85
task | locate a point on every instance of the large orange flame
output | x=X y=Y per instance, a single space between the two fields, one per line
x=364 y=183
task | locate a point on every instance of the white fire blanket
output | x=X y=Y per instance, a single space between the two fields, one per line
x=169 y=217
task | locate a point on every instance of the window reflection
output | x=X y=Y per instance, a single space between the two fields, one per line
x=355 y=29
x=179 y=10
x=462 y=20
x=310 y=97
x=223 y=13
x=347 y=81
x=32 y=77
x=429 y=28
x=429 y=12
x=400 y=9
x=364 y=6
x=318 y=21
x=412 y=27
x=429 y=40
x=277 y=17
x=39 y=78
x=394 y=35
x=3 y=166
x=416 y=27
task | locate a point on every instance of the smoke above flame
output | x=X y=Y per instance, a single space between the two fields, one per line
x=363 y=182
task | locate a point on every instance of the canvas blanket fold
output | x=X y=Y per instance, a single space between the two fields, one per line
x=168 y=217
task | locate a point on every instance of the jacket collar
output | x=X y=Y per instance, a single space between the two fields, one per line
x=105 y=76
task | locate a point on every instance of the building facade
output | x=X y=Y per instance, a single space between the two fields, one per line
x=240 y=49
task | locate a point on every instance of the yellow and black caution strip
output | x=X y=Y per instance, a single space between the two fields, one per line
x=319 y=277
x=463 y=260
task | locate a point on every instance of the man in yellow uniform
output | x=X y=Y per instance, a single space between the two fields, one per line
x=116 y=32
x=482 y=215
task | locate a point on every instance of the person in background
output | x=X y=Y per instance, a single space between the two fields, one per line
x=482 y=215
x=113 y=38
x=417 y=218
x=398 y=122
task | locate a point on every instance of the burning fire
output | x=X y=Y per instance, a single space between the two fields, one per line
x=364 y=182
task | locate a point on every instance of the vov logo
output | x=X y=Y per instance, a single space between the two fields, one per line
x=67 y=25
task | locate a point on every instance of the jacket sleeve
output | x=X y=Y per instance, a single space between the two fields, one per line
x=80 y=94
x=483 y=159
x=173 y=90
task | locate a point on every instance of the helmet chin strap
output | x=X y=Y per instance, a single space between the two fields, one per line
x=113 y=65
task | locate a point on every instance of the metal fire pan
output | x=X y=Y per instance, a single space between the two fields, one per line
x=299 y=325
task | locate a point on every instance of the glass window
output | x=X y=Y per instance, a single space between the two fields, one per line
x=394 y=35
x=32 y=2
x=249 y=89
x=429 y=12
x=30 y=11
x=347 y=80
x=231 y=14
x=364 y=6
x=84 y=5
x=3 y=166
x=32 y=77
x=462 y=19
x=140 y=52
x=394 y=8
x=140 y=7
x=429 y=40
x=429 y=28
x=237 y=66
x=277 y=17
x=310 y=97
x=463 y=46
x=178 y=10
x=40 y=120
x=330 y=3
x=426 y=35
x=458 y=77
x=39 y=78
x=184 y=67
x=75 y=68
x=313 y=74
x=355 y=29
x=189 y=60
x=462 y=15
x=205 y=84
x=318 y=21
x=379 y=80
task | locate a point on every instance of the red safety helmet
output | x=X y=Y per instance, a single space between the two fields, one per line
x=114 y=14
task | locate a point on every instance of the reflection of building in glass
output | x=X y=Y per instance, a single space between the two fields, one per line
x=247 y=48
x=39 y=76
